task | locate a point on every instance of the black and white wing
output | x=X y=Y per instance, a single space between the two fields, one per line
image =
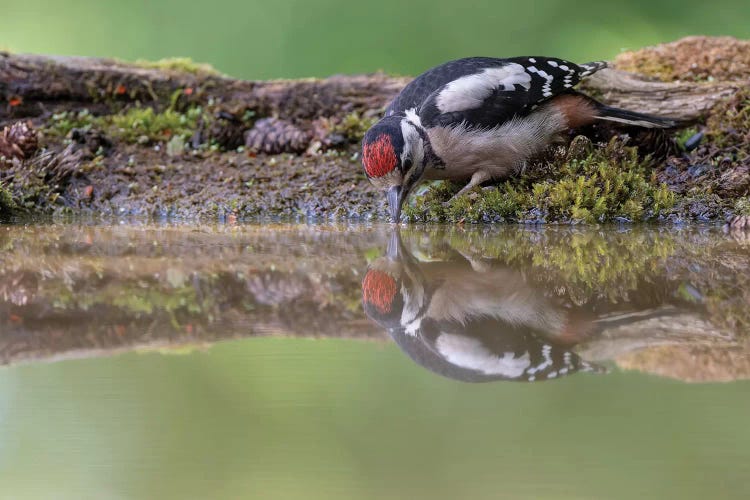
x=486 y=92
x=419 y=89
x=487 y=349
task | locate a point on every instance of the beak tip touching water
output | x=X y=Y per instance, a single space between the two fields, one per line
x=394 y=203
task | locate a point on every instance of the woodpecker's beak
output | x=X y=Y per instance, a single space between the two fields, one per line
x=394 y=202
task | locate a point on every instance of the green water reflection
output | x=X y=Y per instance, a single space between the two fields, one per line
x=237 y=362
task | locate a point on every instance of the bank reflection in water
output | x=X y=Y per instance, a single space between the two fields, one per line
x=471 y=303
x=477 y=320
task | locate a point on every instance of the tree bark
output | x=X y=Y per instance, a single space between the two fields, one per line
x=36 y=84
x=687 y=101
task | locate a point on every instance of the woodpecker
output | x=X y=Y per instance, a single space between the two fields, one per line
x=478 y=119
x=470 y=322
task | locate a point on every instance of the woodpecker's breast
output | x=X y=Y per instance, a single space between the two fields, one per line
x=500 y=150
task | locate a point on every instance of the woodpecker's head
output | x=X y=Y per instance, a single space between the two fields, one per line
x=393 y=156
x=393 y=293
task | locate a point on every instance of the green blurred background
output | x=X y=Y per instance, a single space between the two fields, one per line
x=295 y=38
x=336 y=419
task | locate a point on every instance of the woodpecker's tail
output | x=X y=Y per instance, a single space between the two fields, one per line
x=591 y=68
x=633 y=118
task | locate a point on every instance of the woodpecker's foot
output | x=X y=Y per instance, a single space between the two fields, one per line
x=476 y=179
x=477 y=263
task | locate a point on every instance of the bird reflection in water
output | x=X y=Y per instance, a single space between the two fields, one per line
x=472 y=321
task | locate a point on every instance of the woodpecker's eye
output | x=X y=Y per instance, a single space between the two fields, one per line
x=407 y=164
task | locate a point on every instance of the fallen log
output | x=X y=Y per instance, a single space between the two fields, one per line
x=177 y=139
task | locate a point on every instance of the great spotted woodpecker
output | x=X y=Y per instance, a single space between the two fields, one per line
x=479 y=119
x=470 y=323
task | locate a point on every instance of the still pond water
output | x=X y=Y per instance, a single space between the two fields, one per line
x=294 y=361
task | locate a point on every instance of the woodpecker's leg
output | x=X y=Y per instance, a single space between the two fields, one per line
x=477 y=264
x=479 y=177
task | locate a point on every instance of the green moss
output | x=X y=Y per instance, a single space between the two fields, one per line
x=182 y=64
x=581 y=265
x=144 y=125
x=60 y=124
x=682 y=136
x=354 y=126
x=728 y=125
x=649 y=66
x=742 y=206
x=175 y=302
x=135 y=125
x=7 y=204
x=606 y=184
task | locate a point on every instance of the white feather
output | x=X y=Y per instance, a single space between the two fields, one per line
x=499 y=150
x=413 y=142
x=469 y=92
x=469 y=353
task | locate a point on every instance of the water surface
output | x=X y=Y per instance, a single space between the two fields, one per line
x=292 y=361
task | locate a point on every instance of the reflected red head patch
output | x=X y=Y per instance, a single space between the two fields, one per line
x=379 y=157
x=378 y=289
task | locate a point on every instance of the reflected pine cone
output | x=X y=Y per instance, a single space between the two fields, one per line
x=18 y=140
x=274 y=136
x=18 y=288
x=276 y=288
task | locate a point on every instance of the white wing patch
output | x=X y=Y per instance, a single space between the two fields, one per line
x=413 y=143
x=413 y=300
x=469 y=92
x=469 y=353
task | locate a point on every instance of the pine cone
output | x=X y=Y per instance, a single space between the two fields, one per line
x=226 y=132
x=18 y=140
x=657 y=142
x=274 y=136
x=58 y=167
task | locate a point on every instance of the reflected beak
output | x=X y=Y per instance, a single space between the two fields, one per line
x=394 y=249
x=394 y=202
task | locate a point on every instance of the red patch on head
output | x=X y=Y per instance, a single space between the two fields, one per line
x=378 y=289
x=378 y=157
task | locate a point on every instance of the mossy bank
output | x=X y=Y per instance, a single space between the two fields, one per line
x=177 y=139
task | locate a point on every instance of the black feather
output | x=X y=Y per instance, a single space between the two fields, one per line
x=632 y=118
x=500 y=105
